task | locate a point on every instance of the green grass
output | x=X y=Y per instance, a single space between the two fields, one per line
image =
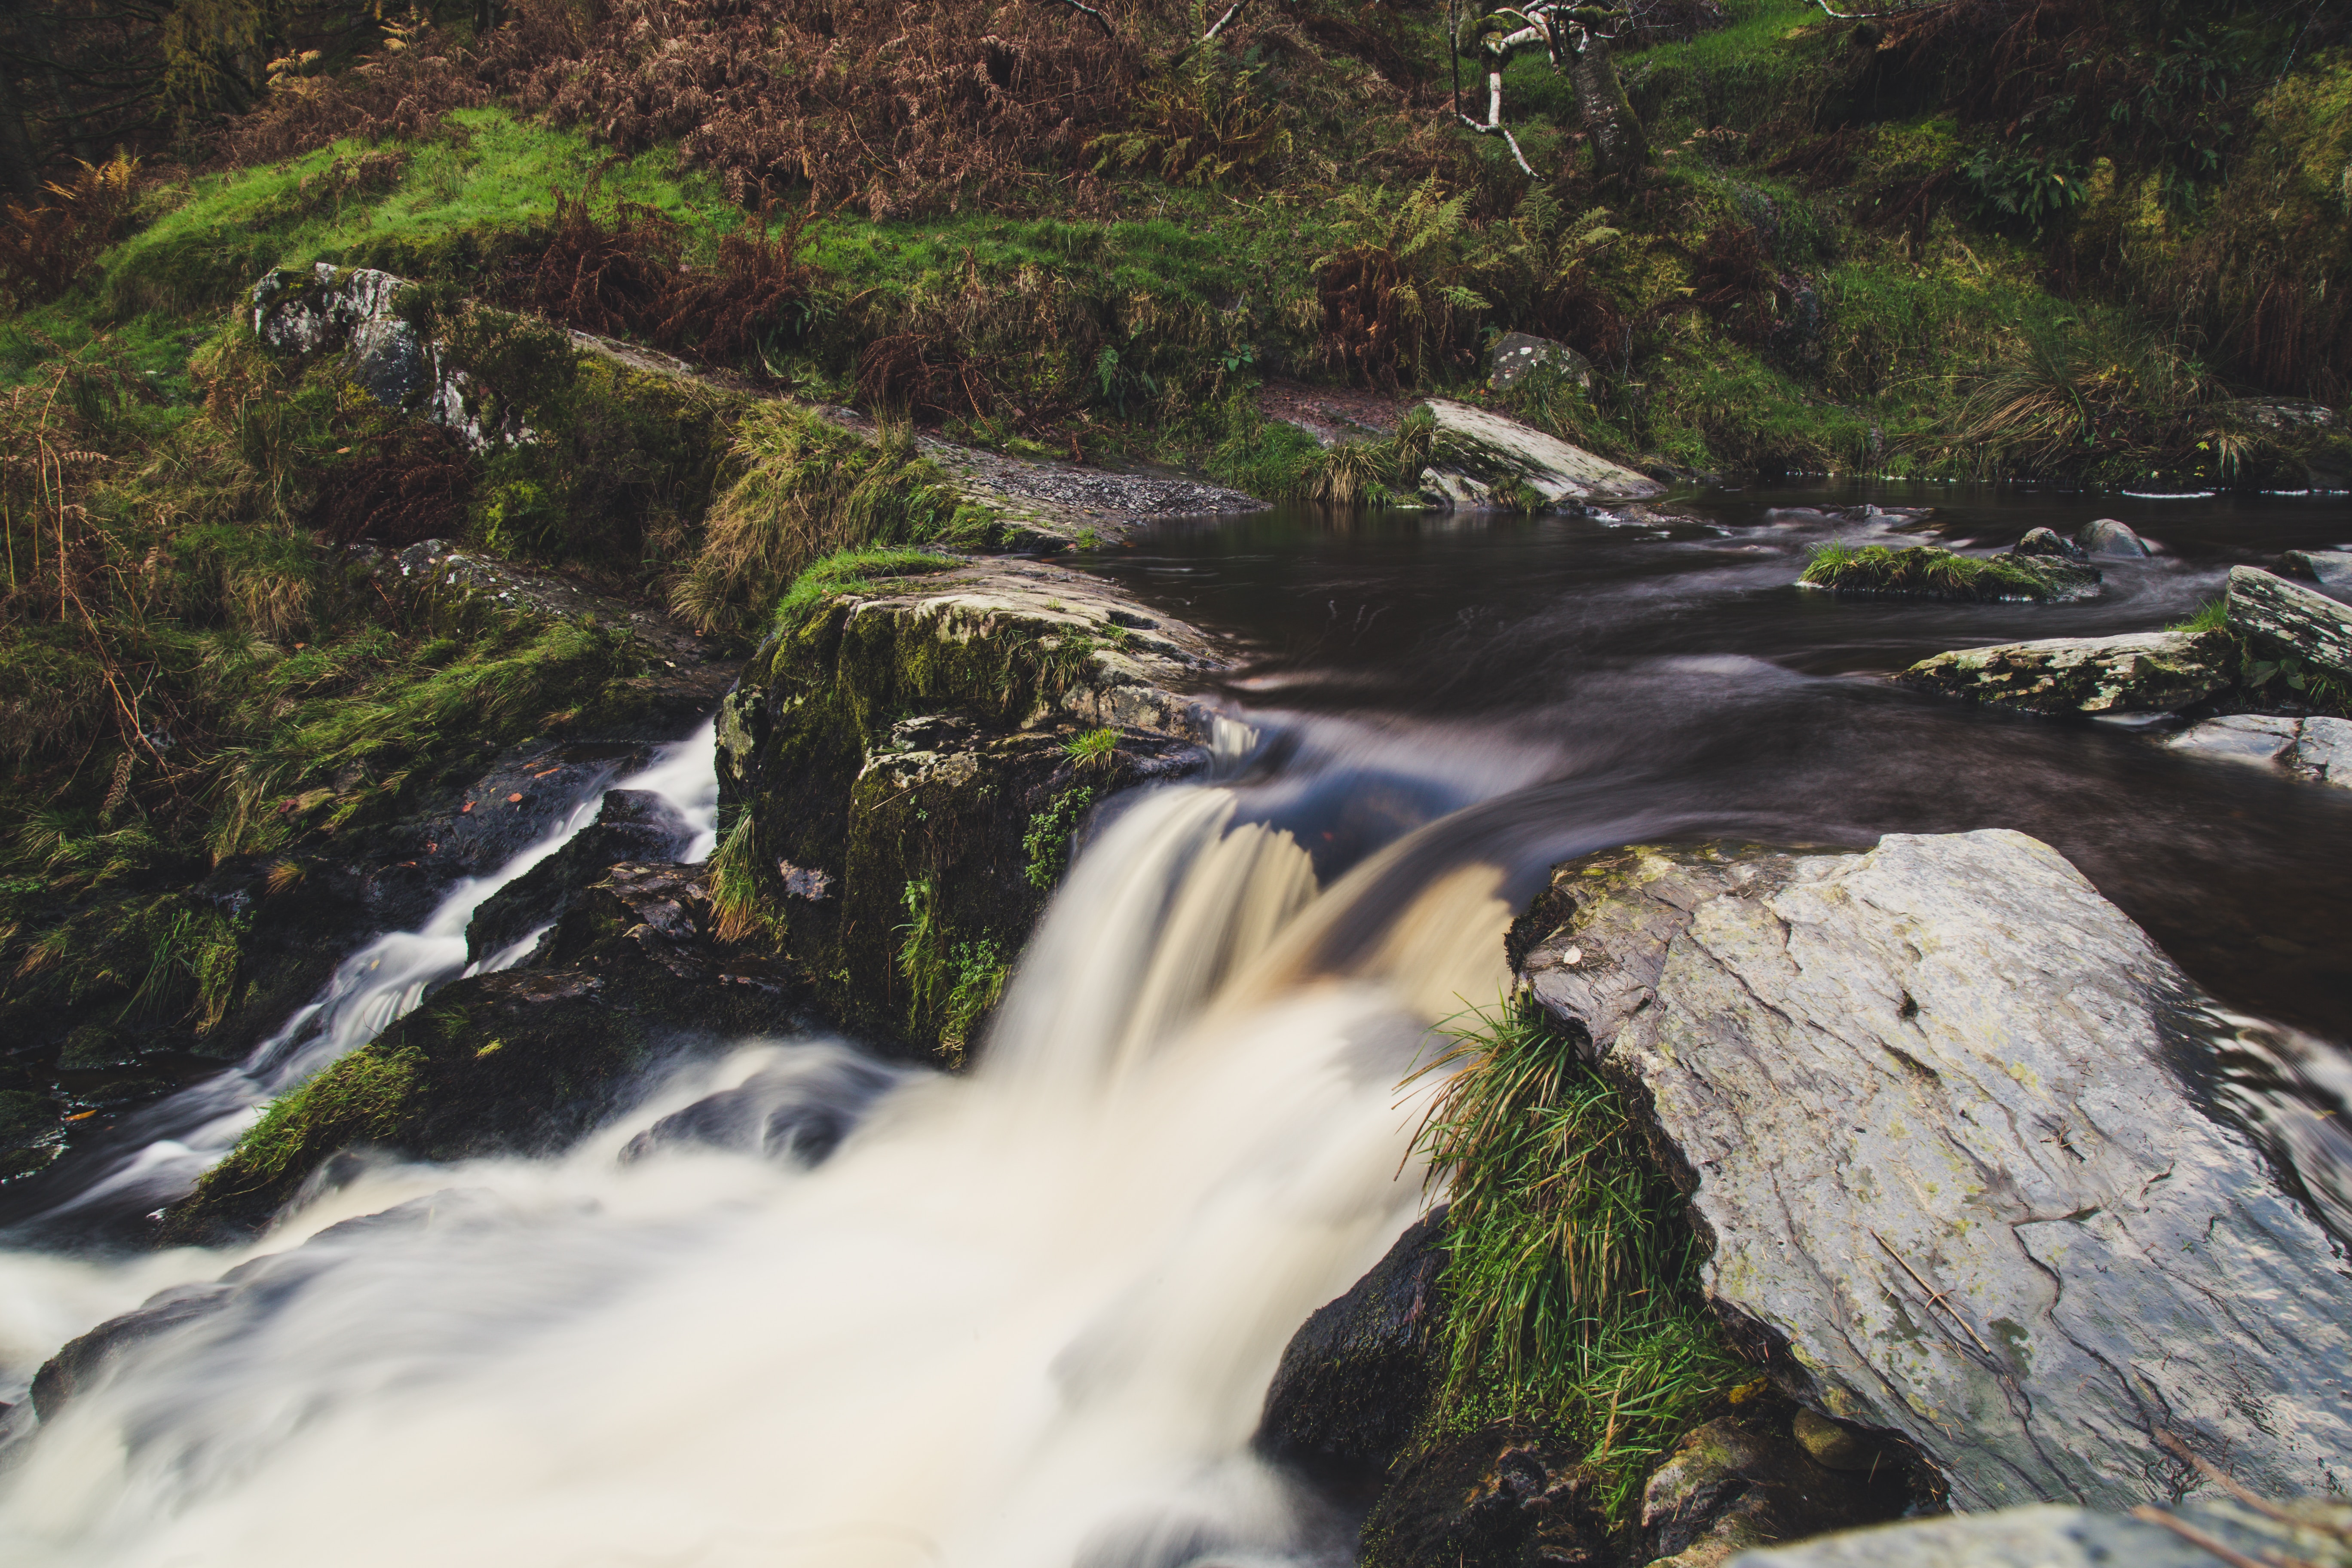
x=1095 y=749
x=2212 y=616
x=1571 y=1282
x=858 y=571
x=1923 y=572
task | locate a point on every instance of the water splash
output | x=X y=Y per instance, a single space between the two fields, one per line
x=1023 y=1316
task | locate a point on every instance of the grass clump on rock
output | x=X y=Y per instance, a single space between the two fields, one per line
x=1923 y=572
x=1571 y=1283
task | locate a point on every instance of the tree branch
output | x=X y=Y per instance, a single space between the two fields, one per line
x=1096 y=17
x=1232 y=11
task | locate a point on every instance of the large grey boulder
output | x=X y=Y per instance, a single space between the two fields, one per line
x=2285 y=619
x=355 y=311
x=1490 y=447
x=1929 y=1105
x=2138 y=673
x=2052 y=1536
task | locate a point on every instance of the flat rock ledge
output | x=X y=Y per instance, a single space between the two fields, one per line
x=1935 y=1109
x=2138 y=673
x=1498 y=448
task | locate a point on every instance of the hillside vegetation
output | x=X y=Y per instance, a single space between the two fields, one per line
x=2035 y=238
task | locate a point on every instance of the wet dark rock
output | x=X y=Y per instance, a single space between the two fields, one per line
x=2105 y=536
x=2045 y=541
x=523 y=1061
x=1500 y=1497
x=1357 y=1377
x=2331 y=568
x=631 y=825
x=2138 y=673
x=32 y=1132
x=85 y=1362
x=2317 y=749
x=1740 y=1481
x=1517 y=354
x=2050 y=1535
x=2287 y=620
x=1939 y=1112
x=798 y=1111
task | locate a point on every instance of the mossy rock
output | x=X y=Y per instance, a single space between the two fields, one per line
x=1923 y=572
x=898 y=779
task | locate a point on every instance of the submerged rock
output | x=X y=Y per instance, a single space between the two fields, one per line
x=2287 y=620
x=2329 y=567
x=2318 y=748
x=1491 y=448
x=2105 y=536
x=2045 y=541
x=2138 y=673
x=1939 y=1113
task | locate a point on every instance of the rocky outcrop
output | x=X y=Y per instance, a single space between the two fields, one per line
x=2138 y=673
x=2050 y=1535
x=524 y=1061
x=1939 y=1113
x=1479 y=451
x=355 y=311
x=2318 y=748
x=903 y=766
x=2286 y=620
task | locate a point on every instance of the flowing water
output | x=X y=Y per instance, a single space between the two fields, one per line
x=1026 y=1315
x=157 y=1153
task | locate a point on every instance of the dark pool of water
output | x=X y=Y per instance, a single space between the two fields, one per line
x=1595 y=682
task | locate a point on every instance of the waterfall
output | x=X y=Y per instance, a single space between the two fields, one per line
x=1023 y=1316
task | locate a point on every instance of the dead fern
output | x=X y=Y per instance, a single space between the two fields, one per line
x=46 y=248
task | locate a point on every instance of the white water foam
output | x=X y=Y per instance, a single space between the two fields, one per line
x=1021 y=1317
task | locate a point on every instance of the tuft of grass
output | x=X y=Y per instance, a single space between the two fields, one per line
x=1047 y=842
x=360 y=1098
x=809 y=490
x=1571 y=1280
x=1925 y=571
x=1095 y=749
x=2212 y=616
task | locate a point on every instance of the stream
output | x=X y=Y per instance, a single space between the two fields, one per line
x=1026 y=1315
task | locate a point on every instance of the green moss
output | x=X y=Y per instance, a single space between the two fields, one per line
x=362 y=1099
x=1923 y=572
x=1573 y=1275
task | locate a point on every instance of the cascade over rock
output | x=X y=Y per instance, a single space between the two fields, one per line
x=1941 y=1112
x=900 y=777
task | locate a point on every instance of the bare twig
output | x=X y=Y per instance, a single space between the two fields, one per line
x=1218 y=26
x=1934 y=1296
x=1096 y=17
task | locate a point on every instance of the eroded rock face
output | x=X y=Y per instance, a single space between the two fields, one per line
x=906 y=752
x=355 y=311
x=2287 y=620
x=1502 y=448
x=2138 y=673
x=631 y=825
x=1934 y=1106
